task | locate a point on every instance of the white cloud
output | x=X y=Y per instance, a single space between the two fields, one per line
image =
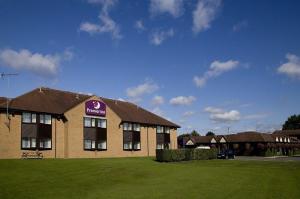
x=188 y=113
x=220 y=115
x=204 y=14
x=108 y=25
x=45 y=65
x=139 y=25
x=292 y=67
x=157 y=100
x=213 y=110
x=173 y=7
x=157 y=37
x=182 y=100
x=216 y=68
x=158 y=111
x=142 y=89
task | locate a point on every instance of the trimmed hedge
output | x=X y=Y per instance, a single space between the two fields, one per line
x=175 y=155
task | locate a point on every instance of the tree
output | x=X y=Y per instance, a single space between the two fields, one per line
x=293 y=122
x=210 y=133
x=194 y=133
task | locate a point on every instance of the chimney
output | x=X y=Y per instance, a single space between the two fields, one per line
x=40 y=90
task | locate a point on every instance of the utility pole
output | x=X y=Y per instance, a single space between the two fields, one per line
x=7 y=75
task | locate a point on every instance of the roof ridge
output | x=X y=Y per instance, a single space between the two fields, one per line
x=64 y=91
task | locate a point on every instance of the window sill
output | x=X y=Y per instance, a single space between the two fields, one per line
x=131 y=149
x=34 y=149
x=95 y=149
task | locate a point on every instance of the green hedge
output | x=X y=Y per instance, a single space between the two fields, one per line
x=175 y=155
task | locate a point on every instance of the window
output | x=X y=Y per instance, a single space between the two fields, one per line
x=160 y=146
x=45 y=119
x=87 y=144
x=33 y=142
x=28 y=117
x=95 y=134
x=131 y=137
x=48 y=119
x=87 y=122
x=36 y=131
x=160 y=129
x=28 y=143
x=102 y=145
x=128 y=145
x=102 y=123
x=136 y=127
x=167 y=129
x=127 y=126
x=162 y=137
x=42 y=119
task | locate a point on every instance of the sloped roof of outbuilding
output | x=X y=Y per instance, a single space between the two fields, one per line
x=2 y=100
x=288 y=132
x=250 y=136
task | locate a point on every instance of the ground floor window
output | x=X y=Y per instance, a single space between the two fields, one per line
x=34 y=143
x=131 y=140
x=28 y=143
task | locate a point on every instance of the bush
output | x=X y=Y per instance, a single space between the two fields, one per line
x=270 y=152
x=175 y=155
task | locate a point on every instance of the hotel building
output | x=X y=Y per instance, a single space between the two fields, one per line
x=62 y=124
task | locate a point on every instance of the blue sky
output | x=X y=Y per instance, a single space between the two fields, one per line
x=204 y=64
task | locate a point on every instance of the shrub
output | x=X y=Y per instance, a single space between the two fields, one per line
x=175 y=155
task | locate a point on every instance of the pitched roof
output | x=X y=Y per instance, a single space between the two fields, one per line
x=129 y=112
x=288 y=132
x=3 y=100
x=54 y=101
x=46 y=100
x=250 y=136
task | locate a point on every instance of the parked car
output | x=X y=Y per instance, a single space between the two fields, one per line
x=228 y=154
x=221 y=155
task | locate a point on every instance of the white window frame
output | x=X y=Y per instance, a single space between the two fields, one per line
x=27 y=116
x=136 y=127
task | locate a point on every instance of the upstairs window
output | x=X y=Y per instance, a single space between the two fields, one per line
x=160 y=129
x=167 y=130
x=45 y=119
x=87 y=122
x=136 y=127
x=127 y=126
x=28 y=117
x=102 y=123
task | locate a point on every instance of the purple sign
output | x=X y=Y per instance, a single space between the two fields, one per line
x=95 y=107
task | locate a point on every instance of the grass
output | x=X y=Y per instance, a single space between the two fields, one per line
x=145 y=178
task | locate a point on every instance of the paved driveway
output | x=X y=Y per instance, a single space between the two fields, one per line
x=279 y=158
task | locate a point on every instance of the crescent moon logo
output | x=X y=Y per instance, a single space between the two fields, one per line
x=96 y=105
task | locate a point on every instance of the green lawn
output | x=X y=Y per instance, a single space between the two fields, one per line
x=145 y=178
